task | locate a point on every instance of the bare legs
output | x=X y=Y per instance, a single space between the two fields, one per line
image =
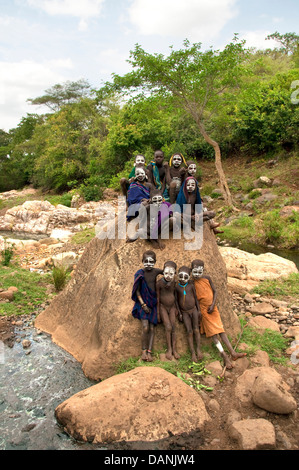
x=147 y=340
x=233 y=353
x=191 y=324
x=168 y=320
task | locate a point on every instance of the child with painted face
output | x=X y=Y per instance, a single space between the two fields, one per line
x=167 y=306
x=174 y=175
x=189 y=310
x=145 y=298
x=125 y=182
x=211 y=324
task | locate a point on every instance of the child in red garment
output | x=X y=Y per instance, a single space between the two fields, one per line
x=211 y=323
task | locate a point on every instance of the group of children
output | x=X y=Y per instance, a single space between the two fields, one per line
x=164 y=184
x=191 y=298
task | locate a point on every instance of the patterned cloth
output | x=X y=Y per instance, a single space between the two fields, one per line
x=157 y=181
x=149 y=297
x=136 y=192
x=211 y=323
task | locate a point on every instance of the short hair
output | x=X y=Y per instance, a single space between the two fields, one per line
x=197 y=262
x=171 y=264
x=148 y=254
x=186 y=269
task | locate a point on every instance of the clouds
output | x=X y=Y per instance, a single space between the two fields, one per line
x=84 y=10
x=197 y=20
x=26 y=79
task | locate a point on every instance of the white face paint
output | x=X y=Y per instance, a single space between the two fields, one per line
x=184 y=277
x=140 y=160
x=169 y=273
x=149 y=263
x=140 y=174
x=197 y=272
x=190 y=186
x=157 y=200
x=192 y=169
x=176 y=160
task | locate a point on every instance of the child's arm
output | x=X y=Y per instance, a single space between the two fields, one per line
x=177 y=305
x=158 y=301
x=143 y=304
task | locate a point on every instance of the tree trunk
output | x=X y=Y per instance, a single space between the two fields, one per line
x=222 y=179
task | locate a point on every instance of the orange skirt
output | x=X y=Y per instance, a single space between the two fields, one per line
x=211 y=323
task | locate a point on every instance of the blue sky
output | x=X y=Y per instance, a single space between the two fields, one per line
x=44 y=42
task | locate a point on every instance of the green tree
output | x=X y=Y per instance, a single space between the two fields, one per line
x=196 y=81
x=62 y=94
x=62 y=145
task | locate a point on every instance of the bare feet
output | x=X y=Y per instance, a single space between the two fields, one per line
x=168 y=355
x=149 y=356
x=227 y=361
x=236 y=356
x=144 y=355
x=194 y=357
x=176 y=355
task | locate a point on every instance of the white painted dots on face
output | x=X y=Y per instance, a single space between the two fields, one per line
x=191 y=185
x=192 y=169
x=149 y=262
x=169 y=274
x=176 y=160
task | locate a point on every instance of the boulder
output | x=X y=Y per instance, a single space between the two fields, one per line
x=270 y=393
x=250 y=267
x=42 y=218
x=261 y=308
x=91 y=318
x=253 y=434
x=265 y=387
x=261 y=323
x=145 y=404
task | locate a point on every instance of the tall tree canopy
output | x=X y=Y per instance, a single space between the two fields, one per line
x=197 y=81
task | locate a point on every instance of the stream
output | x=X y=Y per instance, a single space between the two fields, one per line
x=36 y=380
x=32 y=386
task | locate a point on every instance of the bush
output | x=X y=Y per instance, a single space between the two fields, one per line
x=59 y=274
x=7 y=253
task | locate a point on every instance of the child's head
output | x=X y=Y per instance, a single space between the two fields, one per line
x=139 y=160
x=191 y=184
x=184 y=274
x=156 y=197
x=191 y=168
x=169 y=270
x=149 y=259
x=140 y=173
x=197 y=267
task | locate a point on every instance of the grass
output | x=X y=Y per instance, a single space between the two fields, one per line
x=32 y=288
x=280 y=288
x=84 y=236
x=272 y=342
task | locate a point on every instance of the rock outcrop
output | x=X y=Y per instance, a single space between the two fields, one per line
x=145 y=404
x=92 y=318
x=246 y=270
x=41 y=218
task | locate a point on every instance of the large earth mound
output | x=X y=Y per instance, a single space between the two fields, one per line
x=91 y=318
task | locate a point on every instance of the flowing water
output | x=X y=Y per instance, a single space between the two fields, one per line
x=31 y=387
